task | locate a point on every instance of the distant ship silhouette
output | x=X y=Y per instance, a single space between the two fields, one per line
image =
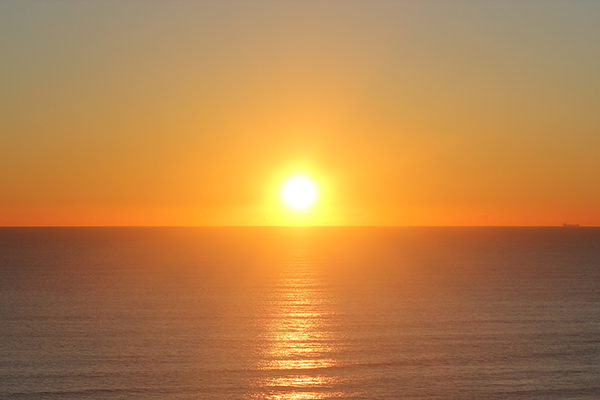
x=570 y=225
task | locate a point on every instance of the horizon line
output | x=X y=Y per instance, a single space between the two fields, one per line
x=302 y=226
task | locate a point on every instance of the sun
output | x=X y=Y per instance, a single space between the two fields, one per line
x=299 y=193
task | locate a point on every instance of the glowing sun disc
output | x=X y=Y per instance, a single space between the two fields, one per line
x=299 y=193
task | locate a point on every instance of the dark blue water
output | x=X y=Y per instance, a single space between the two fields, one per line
x=306 y=313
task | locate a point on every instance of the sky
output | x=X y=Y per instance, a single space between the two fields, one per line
x=402 y=113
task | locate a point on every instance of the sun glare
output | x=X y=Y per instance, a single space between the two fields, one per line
x=299 y=193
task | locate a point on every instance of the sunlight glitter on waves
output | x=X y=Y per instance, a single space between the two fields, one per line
x=299 y=364
x=306 y=315
x=301 y=395
x=300 y=381
x=300 y=340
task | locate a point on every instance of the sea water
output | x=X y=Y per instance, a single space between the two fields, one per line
x=299 y=313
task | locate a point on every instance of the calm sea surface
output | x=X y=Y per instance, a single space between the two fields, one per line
x=306 y=313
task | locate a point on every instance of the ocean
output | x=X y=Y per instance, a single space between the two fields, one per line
x=299 y=313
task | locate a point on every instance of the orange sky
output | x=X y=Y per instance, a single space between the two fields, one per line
x=404 y=113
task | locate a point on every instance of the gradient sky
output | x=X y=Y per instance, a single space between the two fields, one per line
x=404 y=113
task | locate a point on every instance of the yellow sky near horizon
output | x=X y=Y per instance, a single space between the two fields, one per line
x=403 y=113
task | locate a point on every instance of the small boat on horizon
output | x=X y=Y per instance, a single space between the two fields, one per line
x=565 y=225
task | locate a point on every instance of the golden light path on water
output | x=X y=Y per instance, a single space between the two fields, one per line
x=299 y=357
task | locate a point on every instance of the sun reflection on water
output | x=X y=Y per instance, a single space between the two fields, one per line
x=299 y=357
